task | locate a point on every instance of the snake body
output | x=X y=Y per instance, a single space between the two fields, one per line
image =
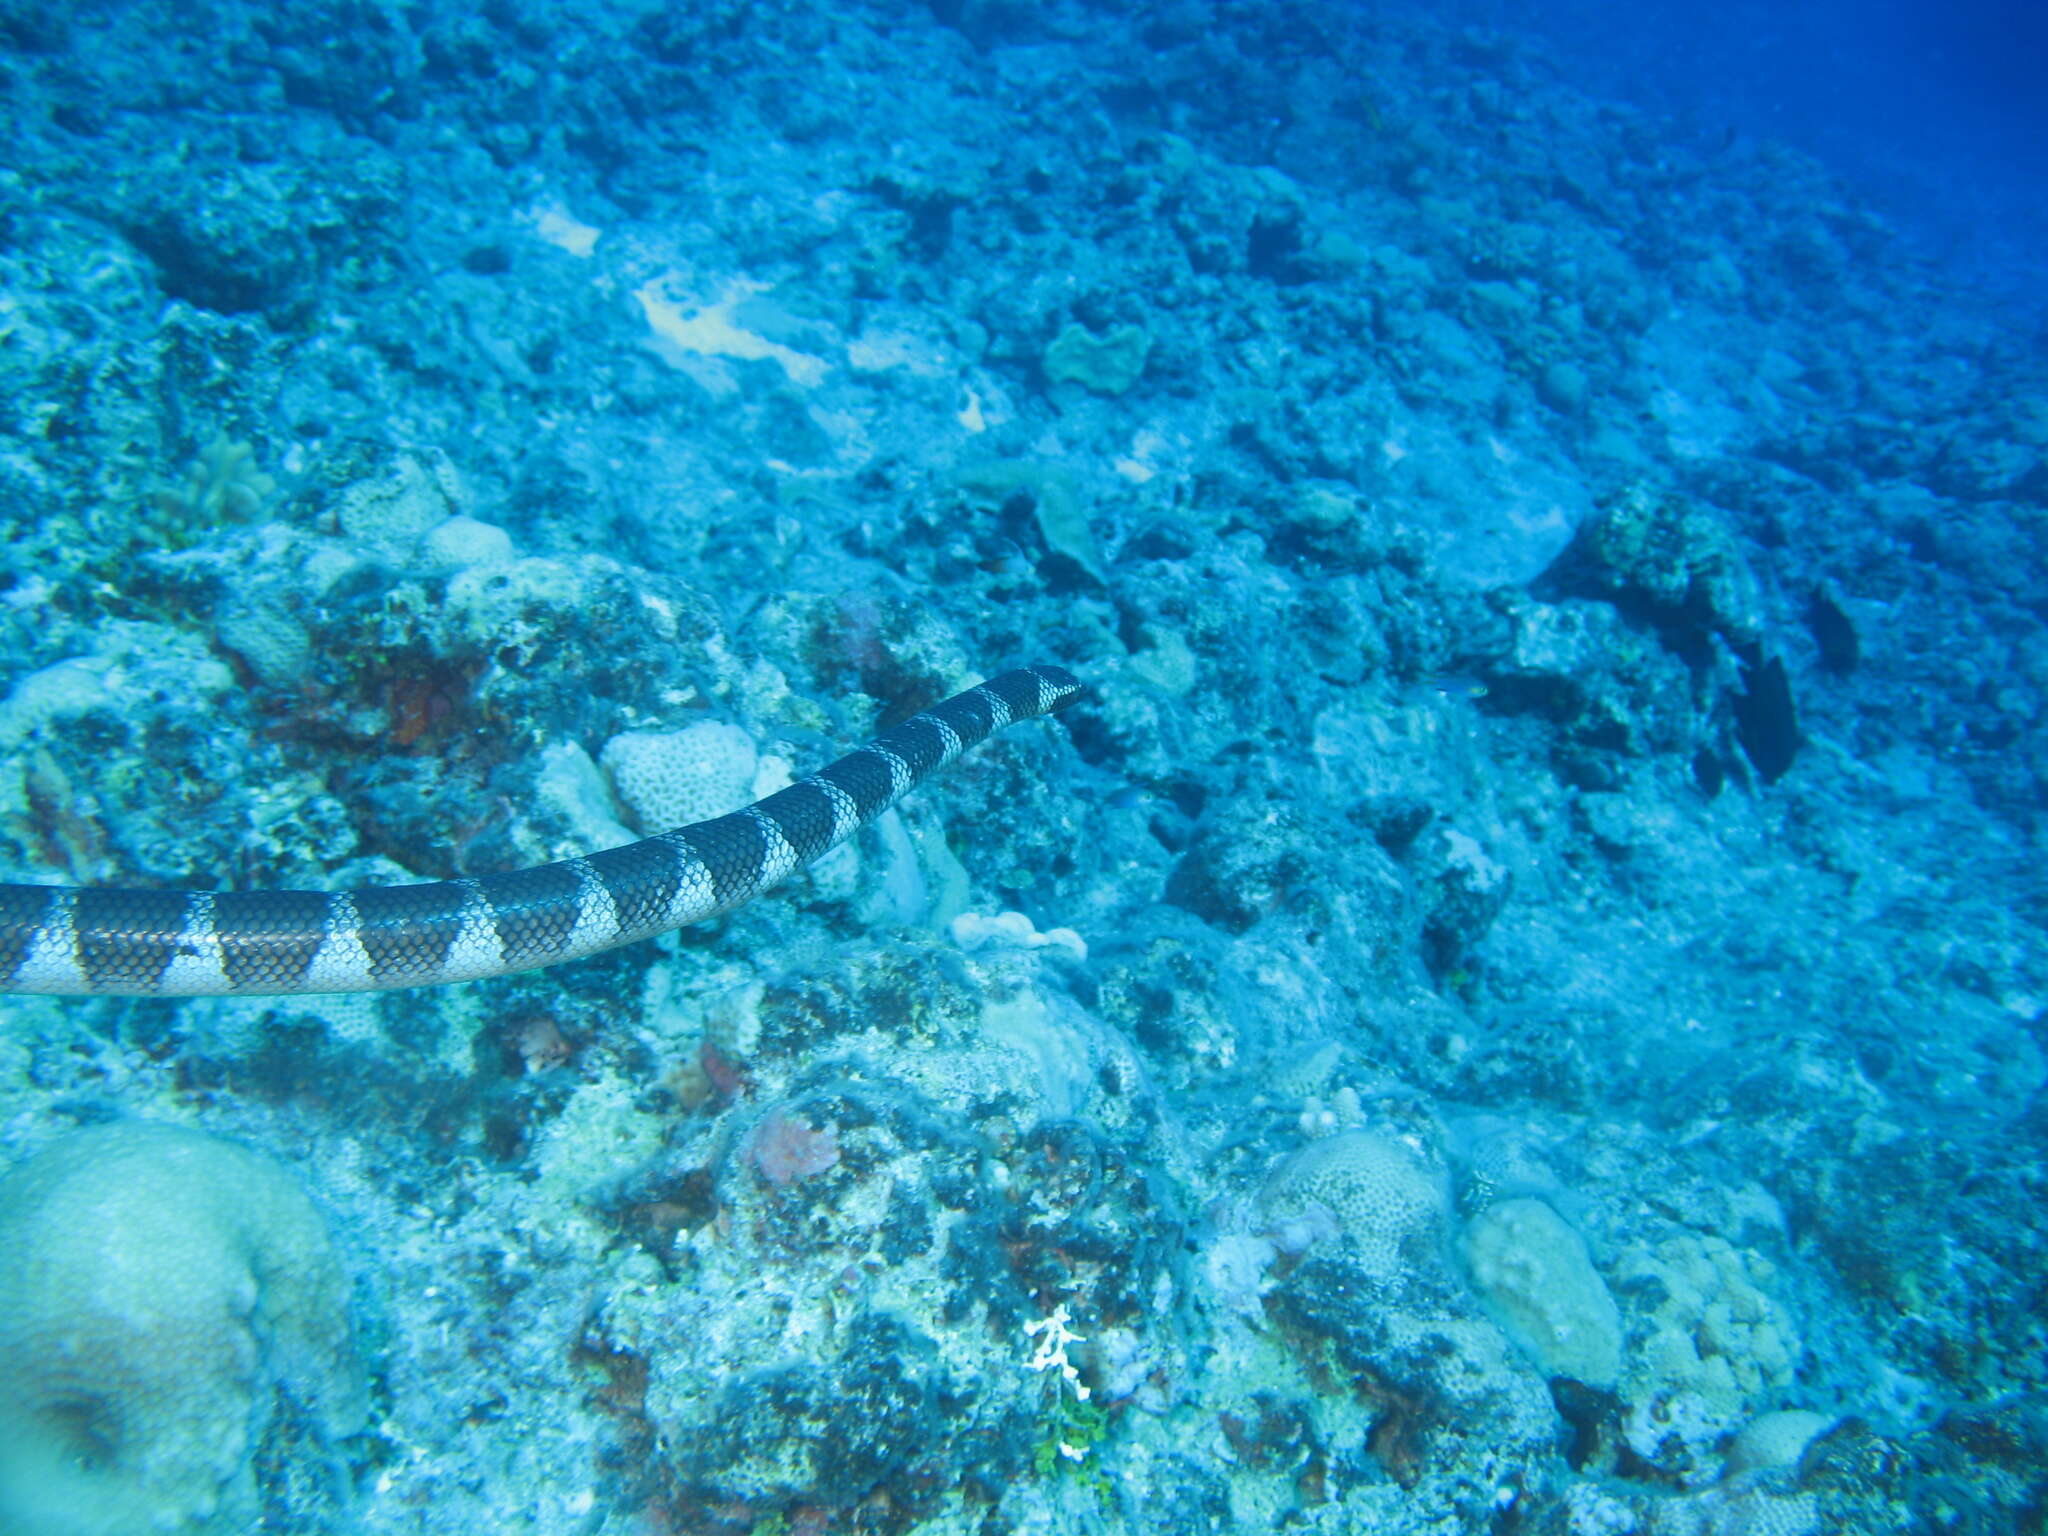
x=145 y=943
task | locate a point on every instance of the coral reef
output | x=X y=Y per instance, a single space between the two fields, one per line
x=1556 y=815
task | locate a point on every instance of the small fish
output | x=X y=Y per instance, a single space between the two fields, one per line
x=1457 y=687
x=1006 y=558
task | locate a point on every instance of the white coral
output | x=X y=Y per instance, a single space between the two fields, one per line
x=1533 y=1269
x=1719 y=1348
x=1383 y=1196
x=672 y=778
x=1715 y=1331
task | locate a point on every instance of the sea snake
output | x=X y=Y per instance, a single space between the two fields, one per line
x=138 y=943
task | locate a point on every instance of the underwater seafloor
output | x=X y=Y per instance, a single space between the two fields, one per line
x=1515 y=1004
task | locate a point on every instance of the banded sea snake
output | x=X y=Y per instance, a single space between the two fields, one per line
x=143 y=943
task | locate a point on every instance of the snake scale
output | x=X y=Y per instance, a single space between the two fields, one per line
x=144 y=943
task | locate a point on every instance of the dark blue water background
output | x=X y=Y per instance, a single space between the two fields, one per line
x=1936 y=111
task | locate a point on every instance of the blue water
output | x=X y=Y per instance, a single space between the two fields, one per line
x=1516 y=1002
x=1938 y=114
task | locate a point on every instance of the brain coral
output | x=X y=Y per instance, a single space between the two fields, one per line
x=1383 y=1197
x=157 y=1287
x=671 y=778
